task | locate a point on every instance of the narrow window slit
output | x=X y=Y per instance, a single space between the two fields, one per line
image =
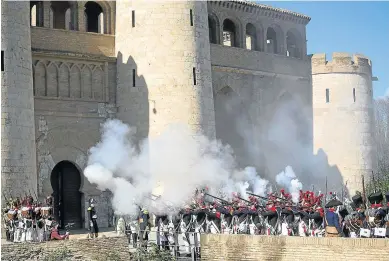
x=2 y=61
x=194 y=76
x=354 y=94
x=133 y=18
x=191 y=17
x=133 y=77
x=327 y=95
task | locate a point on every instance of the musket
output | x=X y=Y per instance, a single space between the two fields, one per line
x=245 y=200
x=364 y=191
x=222 y=200
x=252 y=194
x=325 y=197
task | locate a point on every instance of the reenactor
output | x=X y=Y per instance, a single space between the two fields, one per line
x=331 y=219
x=93 y=227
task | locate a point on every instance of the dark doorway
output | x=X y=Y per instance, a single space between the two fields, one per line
x=66 y=182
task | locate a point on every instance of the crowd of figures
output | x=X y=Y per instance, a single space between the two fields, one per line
x=314 y=216
x=27 y=220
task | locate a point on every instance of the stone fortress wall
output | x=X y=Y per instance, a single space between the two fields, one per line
x=108 y=59
x=247 y=247
x=343 y=114
x=216 y=247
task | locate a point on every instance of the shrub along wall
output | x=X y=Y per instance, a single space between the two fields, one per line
x=100 y=249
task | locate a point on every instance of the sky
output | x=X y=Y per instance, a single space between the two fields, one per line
x=352 y=27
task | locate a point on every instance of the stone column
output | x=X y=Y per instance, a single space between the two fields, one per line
x=46 y=14
x=81 y=16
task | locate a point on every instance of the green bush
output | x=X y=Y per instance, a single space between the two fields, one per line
x=153 y=253
x=110 y=256
x=59 y=254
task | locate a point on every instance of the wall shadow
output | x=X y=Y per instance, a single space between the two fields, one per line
x=132 y=98
x=281 y=135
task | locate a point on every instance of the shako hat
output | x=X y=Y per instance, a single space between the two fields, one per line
x=357 y=199
x=376 y=197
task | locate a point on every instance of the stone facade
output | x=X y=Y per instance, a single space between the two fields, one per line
x=246 y=247
x=151 y=65
x=343 y=114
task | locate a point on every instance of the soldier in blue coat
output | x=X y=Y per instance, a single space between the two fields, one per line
x=331 y=220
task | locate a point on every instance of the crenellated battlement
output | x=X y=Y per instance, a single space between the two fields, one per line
x=341 y=63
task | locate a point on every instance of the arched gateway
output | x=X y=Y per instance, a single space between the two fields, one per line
x=66 y=182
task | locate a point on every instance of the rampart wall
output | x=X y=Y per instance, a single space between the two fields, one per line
x=246 y=247
x=213 y=247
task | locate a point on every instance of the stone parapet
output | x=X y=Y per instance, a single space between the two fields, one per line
x=341 y=63
x=239 y=58
x=247 y=247
x=72 y=41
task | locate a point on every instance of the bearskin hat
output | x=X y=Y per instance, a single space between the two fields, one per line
x=387 y=197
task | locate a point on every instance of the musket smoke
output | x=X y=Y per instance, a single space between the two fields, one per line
x=177 y=162
x=288 y=179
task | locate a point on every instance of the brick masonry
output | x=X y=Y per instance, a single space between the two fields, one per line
x=263 y=248
x=82 y=249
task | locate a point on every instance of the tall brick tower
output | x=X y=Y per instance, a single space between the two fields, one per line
x=18 y=157
x=164 y=61
x=343 y=115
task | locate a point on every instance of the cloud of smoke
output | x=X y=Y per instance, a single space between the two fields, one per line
x=288 y=179
x=172 y=165
x=274 y=135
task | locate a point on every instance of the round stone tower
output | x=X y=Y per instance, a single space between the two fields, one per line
x=164 y=67
x=343 y=115
x=18 y=155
